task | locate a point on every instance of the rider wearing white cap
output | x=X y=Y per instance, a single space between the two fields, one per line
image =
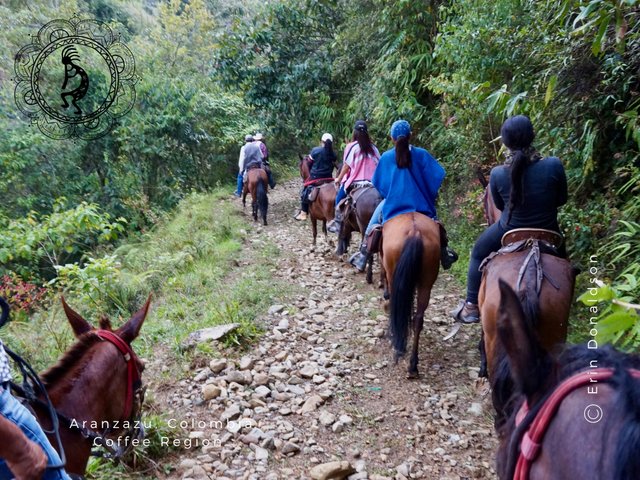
x=324 y=161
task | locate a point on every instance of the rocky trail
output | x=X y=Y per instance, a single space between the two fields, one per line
x=319 y=396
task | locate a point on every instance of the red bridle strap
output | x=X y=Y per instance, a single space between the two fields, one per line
x=133 y=375
x=532 y=439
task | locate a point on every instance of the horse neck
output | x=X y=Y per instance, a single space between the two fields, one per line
x=93 y=389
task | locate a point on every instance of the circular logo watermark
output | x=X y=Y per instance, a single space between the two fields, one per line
x=75 y=79
x=593 y=413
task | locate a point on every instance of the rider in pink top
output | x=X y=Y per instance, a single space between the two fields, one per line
x=360 y=161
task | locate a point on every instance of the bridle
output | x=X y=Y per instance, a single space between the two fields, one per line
x=532 y=435
x=132 y=411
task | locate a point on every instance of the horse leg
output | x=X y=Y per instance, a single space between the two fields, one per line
x=370 y=269
x=254 y=208
x=483 y=357
x=418 y=324
x=314 y=229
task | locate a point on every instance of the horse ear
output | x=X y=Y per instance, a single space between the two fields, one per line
x=528 y=361
x=78 y=324
x=130 y=330
x=300 y=156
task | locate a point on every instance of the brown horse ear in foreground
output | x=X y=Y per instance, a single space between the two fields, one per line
x=528 y=361
x=575 y=413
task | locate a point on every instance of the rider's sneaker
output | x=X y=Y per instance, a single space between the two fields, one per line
x=466 y=312
x=301 y=216
x=236 y=194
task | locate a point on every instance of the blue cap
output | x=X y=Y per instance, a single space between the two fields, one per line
x=400 y=128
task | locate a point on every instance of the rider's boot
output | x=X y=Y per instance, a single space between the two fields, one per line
x=447 y=255
x=335 y=225
x=359 y=259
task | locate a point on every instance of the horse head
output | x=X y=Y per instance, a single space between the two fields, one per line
x=566 y=403
x=96 y=387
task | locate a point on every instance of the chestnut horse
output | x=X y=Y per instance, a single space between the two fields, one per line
x=256 y=184
x=95 y=389
x=491 y=212
x=356 y=218
x=323 y=207
x=410 y=258
x=576 y=412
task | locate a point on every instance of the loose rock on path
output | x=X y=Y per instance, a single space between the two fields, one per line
x=319 y=397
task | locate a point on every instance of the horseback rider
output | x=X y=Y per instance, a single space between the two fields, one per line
x=247 y=139
x=324 y=161
x=528 y=189
x=408 y=178
x=259 y=140
x=24 y=449
x=359 y=162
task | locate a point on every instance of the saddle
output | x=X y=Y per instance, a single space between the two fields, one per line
x=312 y=187
x=548 y=237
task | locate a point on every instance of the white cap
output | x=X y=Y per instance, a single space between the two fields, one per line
x=258 y=136
x=327 y=136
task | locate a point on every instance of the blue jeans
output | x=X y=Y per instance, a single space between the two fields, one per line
x=376 y=218
x=13 y=410
x=340 y=195
x=239 y=184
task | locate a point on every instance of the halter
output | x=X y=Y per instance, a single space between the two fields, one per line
x=531 y=442
x=133 y=374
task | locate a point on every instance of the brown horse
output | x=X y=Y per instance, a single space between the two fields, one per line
x=576 y=413
x=96 y=382
x=356 y=218
x=410 y=259
x=256 y=184
x=548 y=291
x=323 y=206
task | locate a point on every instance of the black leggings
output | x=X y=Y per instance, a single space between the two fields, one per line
x=489 y=241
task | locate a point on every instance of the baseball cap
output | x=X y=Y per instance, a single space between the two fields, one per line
x=327 y=136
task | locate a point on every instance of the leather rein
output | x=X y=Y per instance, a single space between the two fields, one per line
x=533 y=436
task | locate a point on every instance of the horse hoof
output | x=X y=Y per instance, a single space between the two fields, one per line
x=386 y=306
x=413 y=375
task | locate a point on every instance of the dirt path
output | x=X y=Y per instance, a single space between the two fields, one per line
x=320 y=386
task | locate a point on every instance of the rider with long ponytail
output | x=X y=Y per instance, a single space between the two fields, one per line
x=324 y=162
x=528 y=189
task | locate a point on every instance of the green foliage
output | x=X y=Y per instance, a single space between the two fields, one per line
x=35 y=245
x=618 y=321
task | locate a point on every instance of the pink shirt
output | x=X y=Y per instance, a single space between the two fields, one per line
x=361 y=167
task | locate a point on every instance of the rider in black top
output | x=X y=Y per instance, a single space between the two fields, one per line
x=324 y=161
x=528 y=189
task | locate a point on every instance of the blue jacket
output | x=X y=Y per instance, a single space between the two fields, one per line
x=413 y=189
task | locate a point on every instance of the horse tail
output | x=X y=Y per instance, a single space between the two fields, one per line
x=405 y=280
x=263 y=199
x=627 y=460
x=5 y=311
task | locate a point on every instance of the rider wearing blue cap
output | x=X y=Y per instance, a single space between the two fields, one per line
x=408 y=178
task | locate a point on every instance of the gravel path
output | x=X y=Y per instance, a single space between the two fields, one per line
x=319 y=396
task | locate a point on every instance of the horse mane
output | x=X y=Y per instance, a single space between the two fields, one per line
x=52 y=375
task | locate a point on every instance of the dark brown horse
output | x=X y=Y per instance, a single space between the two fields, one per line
x=491 y=212
x=96 y=384
x=576 y=412
x=256 y=184
x=411 y=260
x=356 y=218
